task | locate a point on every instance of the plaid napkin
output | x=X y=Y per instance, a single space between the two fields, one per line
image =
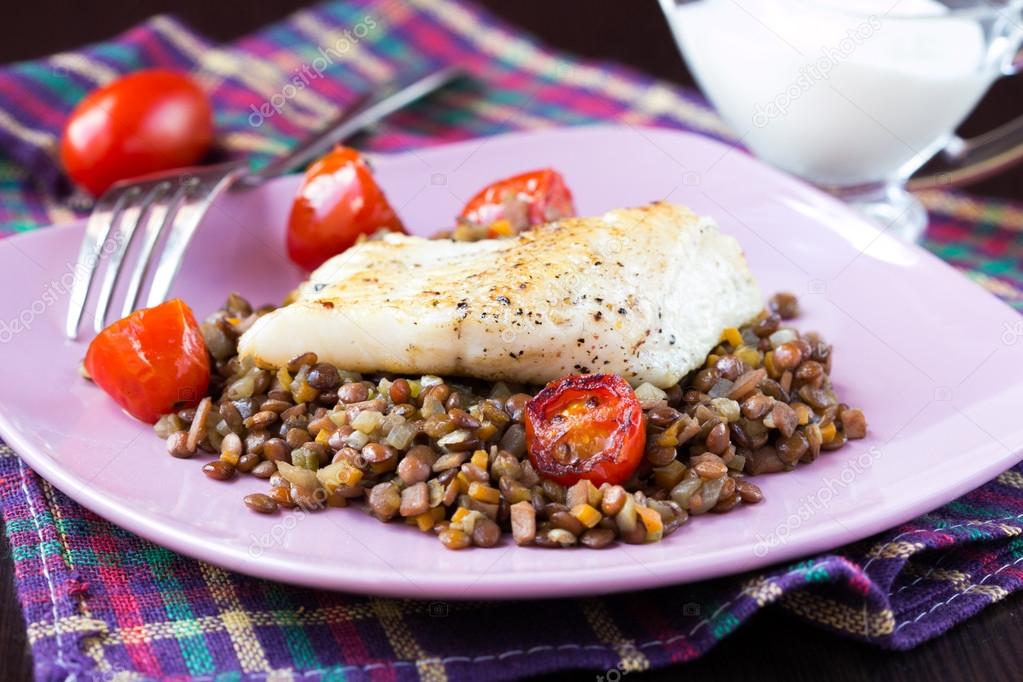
x=102 y=603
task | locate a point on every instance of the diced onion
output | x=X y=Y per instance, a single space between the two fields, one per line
x=500 y=391
x=782 y=336
x=367 y=421
x=727 y=408
x=401 y=435
x=299 y=476
x=649 y=392
x=357 y=440
x=432 y=408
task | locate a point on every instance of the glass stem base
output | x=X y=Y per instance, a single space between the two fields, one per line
x=894 y=209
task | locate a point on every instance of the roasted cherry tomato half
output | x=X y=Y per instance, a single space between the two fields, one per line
x=524 y=200
x=338 y=201
x=152 y=362
x=142 y=123
x=586 y=426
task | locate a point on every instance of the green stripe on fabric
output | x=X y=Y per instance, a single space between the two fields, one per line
x=22 y=225
x=20 y=526
x=970 y=511
x=82 y=557
x=999 y=267
x=190 y=639
x=23 y=553
x=951 y=250
x=345 y=13
x=126 y=57
x=334 y=675
x=294 y=634
x=11 y=174
x=724 y=625
x=392 y=48
x=57 y=83
x=47 y=548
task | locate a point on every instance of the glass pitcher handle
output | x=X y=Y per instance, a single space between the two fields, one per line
x=965 y=161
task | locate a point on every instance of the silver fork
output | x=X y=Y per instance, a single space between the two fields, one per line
x=175 y=203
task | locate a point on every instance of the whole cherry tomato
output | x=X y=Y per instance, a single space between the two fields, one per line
x=338 y=201
x=586 y=426
x=152 y=362
x=523 y=200
x=142 y=123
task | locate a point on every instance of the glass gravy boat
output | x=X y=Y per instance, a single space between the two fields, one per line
x=857 y=97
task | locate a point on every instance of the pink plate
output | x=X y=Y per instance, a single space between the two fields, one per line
x=934 y=361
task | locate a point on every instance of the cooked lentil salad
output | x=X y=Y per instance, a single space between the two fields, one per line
x=449 y=455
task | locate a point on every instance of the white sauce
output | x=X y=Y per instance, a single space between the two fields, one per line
x=840 y=99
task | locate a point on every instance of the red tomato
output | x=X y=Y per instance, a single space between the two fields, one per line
x=586 y=426
x=152 y=362
x=338 y=201
x=142 y=123
x=524 y=200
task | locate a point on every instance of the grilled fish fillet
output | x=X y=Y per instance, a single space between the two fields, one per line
x=642 y=292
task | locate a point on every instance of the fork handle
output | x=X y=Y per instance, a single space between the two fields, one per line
x=349 y=123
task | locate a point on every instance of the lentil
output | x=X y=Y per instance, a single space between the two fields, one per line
x=597 y=538
x=258 y=502
x=197 y=430
x=452 y=459
x=218 y=470
x=264 y=469
x=854 y=423
x=177 y=445
x=247 y=462
x=454 y=538
x=523 y=523
x=353 y=393
x=275 y=449
x=384 y=500
x=710 y=469
x=749 y=492
x=415 y=499
x=282 y=496
x=400 y=391
x=416 y=465
x=486 y=533
x=785 y=305
x=660 y=456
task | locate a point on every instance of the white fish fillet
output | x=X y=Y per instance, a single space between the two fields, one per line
x=642 y=292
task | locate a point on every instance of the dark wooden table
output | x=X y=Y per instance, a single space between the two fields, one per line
x=773 y=645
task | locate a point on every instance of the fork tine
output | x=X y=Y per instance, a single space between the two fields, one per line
x=131 y=218
x=160 y=216
x=97 y=230
x=206 y=186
